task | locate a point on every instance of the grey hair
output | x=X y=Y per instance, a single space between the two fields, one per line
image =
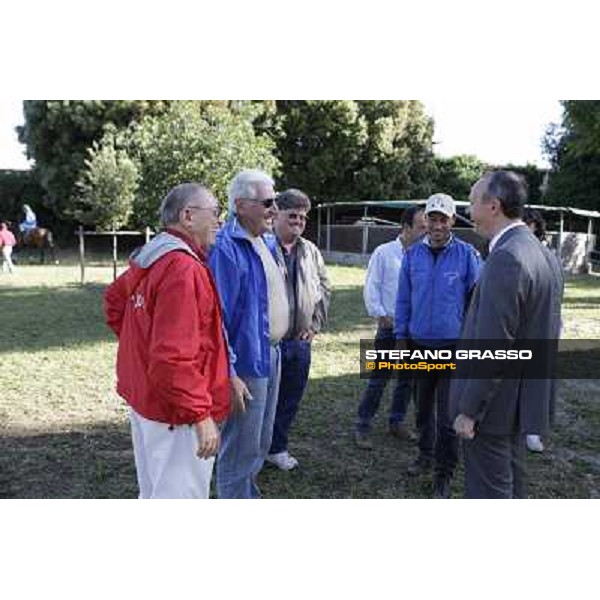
x=509 y=188
x=245 y=185
x=293 y=198
x=177 y=199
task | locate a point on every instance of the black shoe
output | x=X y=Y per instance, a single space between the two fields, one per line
x=363 y=440
x=420 y=466
x=441 y=487
x=401 y=432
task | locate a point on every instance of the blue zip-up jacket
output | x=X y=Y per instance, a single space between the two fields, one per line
x=242 y=285
x=433 y=293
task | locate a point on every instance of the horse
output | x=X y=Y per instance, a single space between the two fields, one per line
x=38 y=238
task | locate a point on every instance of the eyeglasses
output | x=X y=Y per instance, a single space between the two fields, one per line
x=266 y=202
x=215 y=211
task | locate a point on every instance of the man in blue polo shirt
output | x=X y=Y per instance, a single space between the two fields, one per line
x=436 y=280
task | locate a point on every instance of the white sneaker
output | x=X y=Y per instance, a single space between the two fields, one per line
x=282 y=460
x=534 y=443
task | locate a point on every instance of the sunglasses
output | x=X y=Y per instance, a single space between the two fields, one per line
x=267 y=202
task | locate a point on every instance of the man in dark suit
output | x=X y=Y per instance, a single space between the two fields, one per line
x=518 y=298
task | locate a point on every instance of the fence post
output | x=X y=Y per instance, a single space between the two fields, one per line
x=319 y=243
x=114 y=248
x=82 y=254
x=328 y=247
x=365 y=237
x=589 y=246
x=560 y=237
x=147 y=234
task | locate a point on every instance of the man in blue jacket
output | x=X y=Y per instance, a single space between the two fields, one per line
x=437 y=277
x=256 y=317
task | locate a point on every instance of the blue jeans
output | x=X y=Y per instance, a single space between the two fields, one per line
x=369 y=404
x=295 y=365
x=246 y=437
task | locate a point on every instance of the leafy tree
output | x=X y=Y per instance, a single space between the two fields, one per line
x=58 y=133
x=204 y=142
x=456 y=174
x=319 y=144
x=573 y=148
x=397 y=161
x=353 y=150
x=108 y=186
x=581 y=121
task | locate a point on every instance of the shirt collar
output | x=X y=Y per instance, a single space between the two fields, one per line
x=238 y=230
x=427 y=241
x=188 y=240
x=503 y=231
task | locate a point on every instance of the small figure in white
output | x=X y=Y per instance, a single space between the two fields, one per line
x=29 y=223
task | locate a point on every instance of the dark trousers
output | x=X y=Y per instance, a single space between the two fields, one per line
x=371 y=398
x=495 y=466
x=437 y=438
x=295 y=365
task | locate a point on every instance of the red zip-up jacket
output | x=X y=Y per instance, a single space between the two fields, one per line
x=172 y=361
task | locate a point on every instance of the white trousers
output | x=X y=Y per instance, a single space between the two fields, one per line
x=166 y=461
x=7 y=263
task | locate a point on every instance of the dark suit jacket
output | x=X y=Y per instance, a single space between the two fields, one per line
x=518 y=297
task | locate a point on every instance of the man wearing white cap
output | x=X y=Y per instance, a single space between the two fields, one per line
x=437 y=277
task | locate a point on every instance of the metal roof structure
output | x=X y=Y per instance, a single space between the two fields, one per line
x=368 y=220
x=590 y=214
x=460 y=203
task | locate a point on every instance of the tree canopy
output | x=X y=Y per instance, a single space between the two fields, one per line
x=456 y=174
x=194 y=141
x=354 y=150
x=108 y=186
x=58 y=134
x=573 y=148
x=332 y=149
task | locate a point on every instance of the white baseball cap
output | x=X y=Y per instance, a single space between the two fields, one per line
x=442 y=203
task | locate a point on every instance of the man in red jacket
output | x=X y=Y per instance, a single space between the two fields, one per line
x=172 y=361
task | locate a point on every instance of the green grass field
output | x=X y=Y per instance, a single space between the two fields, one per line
x=64 y=433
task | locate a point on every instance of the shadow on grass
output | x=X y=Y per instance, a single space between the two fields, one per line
x=582 y=281
x=97 y=462
x=38 y=318
x=591 y=302
x=331 y=466
x=91 y=463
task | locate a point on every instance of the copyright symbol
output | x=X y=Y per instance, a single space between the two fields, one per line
x=370 y=366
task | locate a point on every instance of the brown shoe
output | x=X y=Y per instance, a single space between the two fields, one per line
x=401 y=432
x=363 y=441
